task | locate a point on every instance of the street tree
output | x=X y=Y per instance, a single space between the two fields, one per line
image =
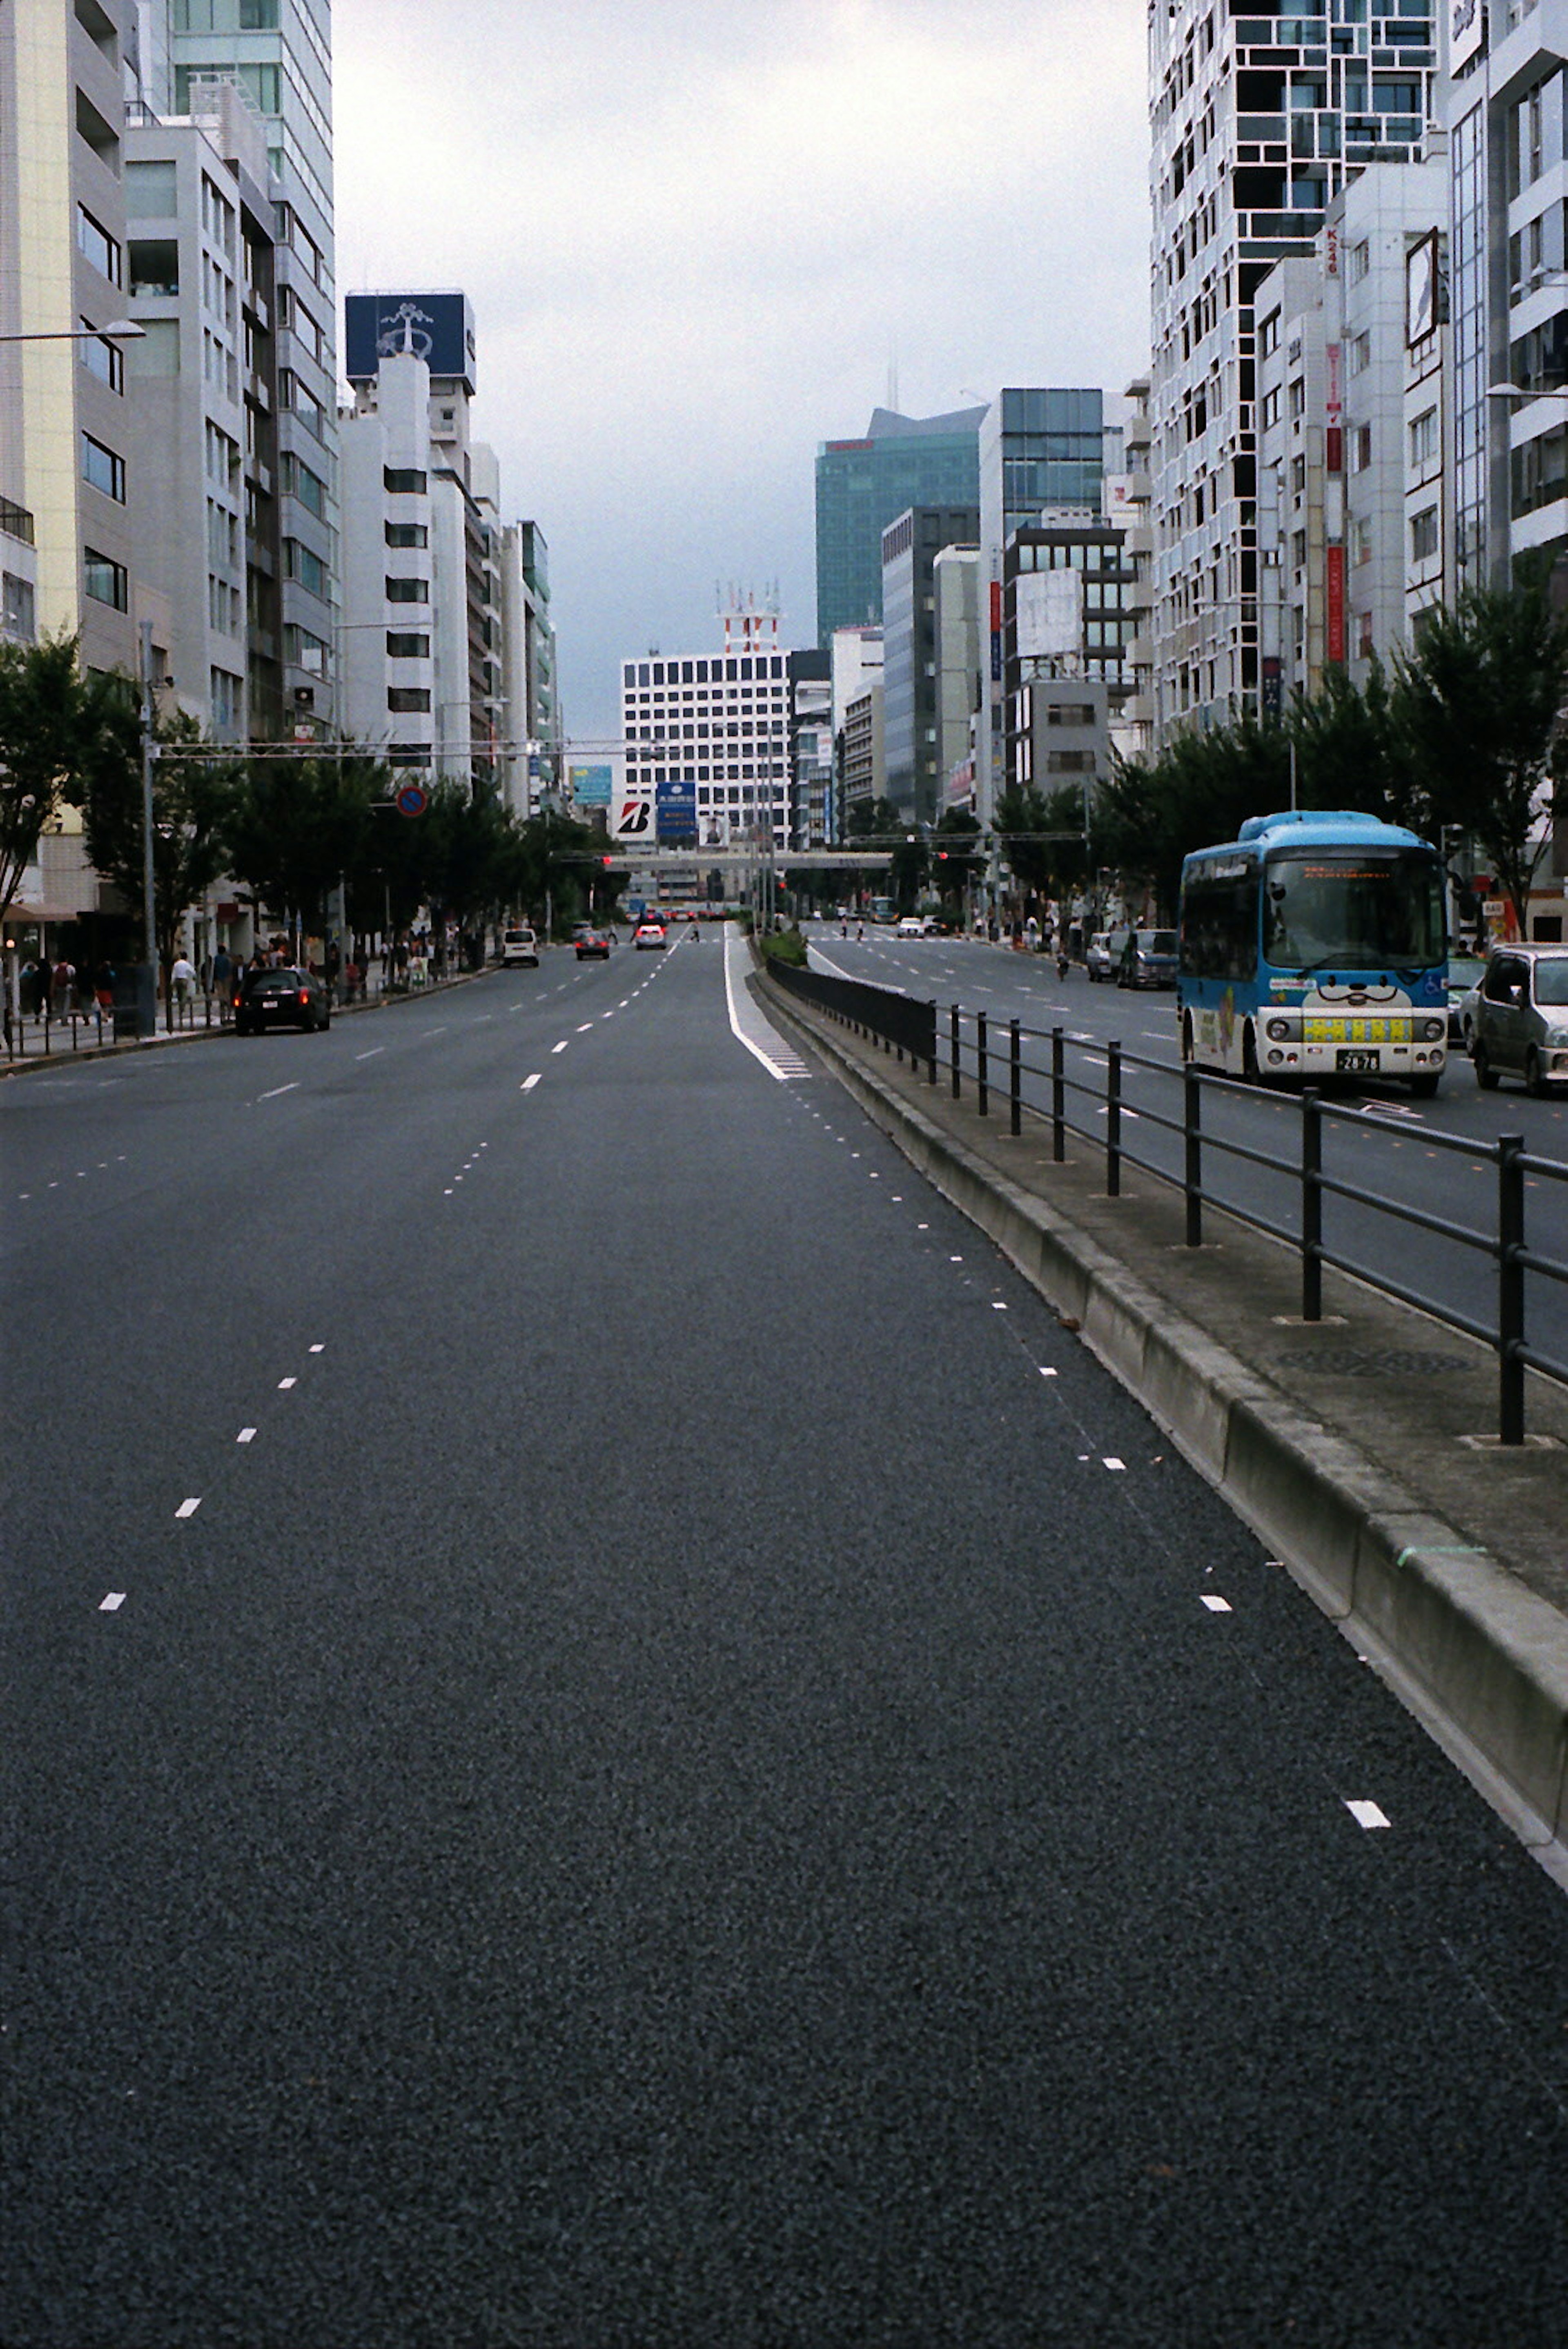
x=193 y=788
x=1479 y=704
x=45 y=728
x=301 y=825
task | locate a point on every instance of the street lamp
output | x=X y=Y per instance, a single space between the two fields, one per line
x=119 y=330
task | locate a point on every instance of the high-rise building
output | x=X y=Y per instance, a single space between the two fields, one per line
x=810 y=675
x=530 y=717
x=65 y=454
x=1257 y=121
x=1040 y=450
x=202 y=386
x=955 y=594
x=910 y=546
x=279 y=54
x=862 y=485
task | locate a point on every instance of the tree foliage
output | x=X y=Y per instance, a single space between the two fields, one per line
x=45 y=731
x=194 y=790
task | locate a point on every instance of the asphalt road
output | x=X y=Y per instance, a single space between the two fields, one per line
x=1379 y=1140
x=614 y=1736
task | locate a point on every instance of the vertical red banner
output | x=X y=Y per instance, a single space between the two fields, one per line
x=1334 y=648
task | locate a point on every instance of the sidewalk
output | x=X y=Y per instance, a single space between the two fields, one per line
x=1359 y=1448
x=78 y=1039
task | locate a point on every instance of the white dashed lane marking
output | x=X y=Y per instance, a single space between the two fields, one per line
x=189 y=1508
x=112 y=1604
x=275 y=1094
x=1366 y=1814
x=284 y=1385
x=1216 y=1605
x=528 y=1084
x=247 y=1436
x=562 y=1045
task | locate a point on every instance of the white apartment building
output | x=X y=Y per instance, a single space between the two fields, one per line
x=67 y=456
x=1350 y=431
x=707 y=737
x=1257 y=122
x=1128 y=497
x=955 y=588
x=530 y=721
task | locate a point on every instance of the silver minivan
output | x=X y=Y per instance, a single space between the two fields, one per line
x=1521 y=1018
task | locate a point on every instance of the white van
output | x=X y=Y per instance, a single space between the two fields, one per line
x=517 y=947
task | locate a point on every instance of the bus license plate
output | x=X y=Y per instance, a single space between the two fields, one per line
x=1358 y=1063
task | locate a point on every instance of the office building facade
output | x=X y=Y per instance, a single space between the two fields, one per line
x=862 y=485
x=278 y=54
x=1257 y=121
x=1040 y=451
x=910 y=546
x=66 y=457
x=707 y=737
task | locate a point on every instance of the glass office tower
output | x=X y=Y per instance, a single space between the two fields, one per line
x=864 y=485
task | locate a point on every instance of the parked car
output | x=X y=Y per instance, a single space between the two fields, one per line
x=285 y=998
x=592 y=944
x=650 y=934
x=1466 y=972
x=1521 y=1018
x=1099 y=955
x=519 y=948
x=1148 y=958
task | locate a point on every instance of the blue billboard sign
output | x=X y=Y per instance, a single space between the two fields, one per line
x=436 y=327
x=677 y=812
x=591 y=786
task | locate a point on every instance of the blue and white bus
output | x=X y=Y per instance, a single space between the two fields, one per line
x=1314 y=946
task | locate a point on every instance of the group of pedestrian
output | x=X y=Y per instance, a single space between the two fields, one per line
x=56 y=989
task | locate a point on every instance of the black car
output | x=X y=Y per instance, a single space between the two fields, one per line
x=591 y=943
x=279 y=998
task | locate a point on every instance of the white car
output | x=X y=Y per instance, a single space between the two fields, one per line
x=519 y=947
x=910 y=927
x=650 y=934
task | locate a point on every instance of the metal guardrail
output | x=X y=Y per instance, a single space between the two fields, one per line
x=92 y=1027
x=974 y=1043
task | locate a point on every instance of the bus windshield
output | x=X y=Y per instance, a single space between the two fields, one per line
x=1353 y=909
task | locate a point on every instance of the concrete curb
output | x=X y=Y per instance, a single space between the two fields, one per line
x=1466 y=1643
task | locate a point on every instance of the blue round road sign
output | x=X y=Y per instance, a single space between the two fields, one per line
x=412 y=800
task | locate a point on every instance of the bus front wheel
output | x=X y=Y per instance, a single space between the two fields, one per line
x=1424 y=1087
x=1250 y=1073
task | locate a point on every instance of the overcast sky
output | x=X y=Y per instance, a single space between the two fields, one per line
x=697 y=236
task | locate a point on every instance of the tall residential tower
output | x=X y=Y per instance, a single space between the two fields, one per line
x=1258 y=116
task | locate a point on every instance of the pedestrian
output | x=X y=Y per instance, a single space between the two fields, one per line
x=182 y=977
x=60 y=987
x=103 y=986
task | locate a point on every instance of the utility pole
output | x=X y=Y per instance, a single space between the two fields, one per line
x=148 y=1006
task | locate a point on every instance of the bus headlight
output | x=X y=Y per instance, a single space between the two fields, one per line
x=1432 y=1029
x=1278 y=1030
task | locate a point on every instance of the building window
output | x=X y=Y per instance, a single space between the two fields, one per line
x=1424 y=437
x=95 y=245
x=407 y=701
x=401 y=645
x=105 y=581
x=408 y=590
x=103 y=467
x=407 y=534
x=1424 y=534
x=404 y=480
x=1361 y=447
x=303 y=563
x=105 y=361
x=18 y=617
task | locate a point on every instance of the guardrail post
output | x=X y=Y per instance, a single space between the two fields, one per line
x=1014 y=1080
x=1510 y=1286
x=1113 y=1121
x=985 y=1070
x=1312 y=1204
x=955 y=1043
x=933 y=1009
x=1192 y=1126
x=1058 y=1097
